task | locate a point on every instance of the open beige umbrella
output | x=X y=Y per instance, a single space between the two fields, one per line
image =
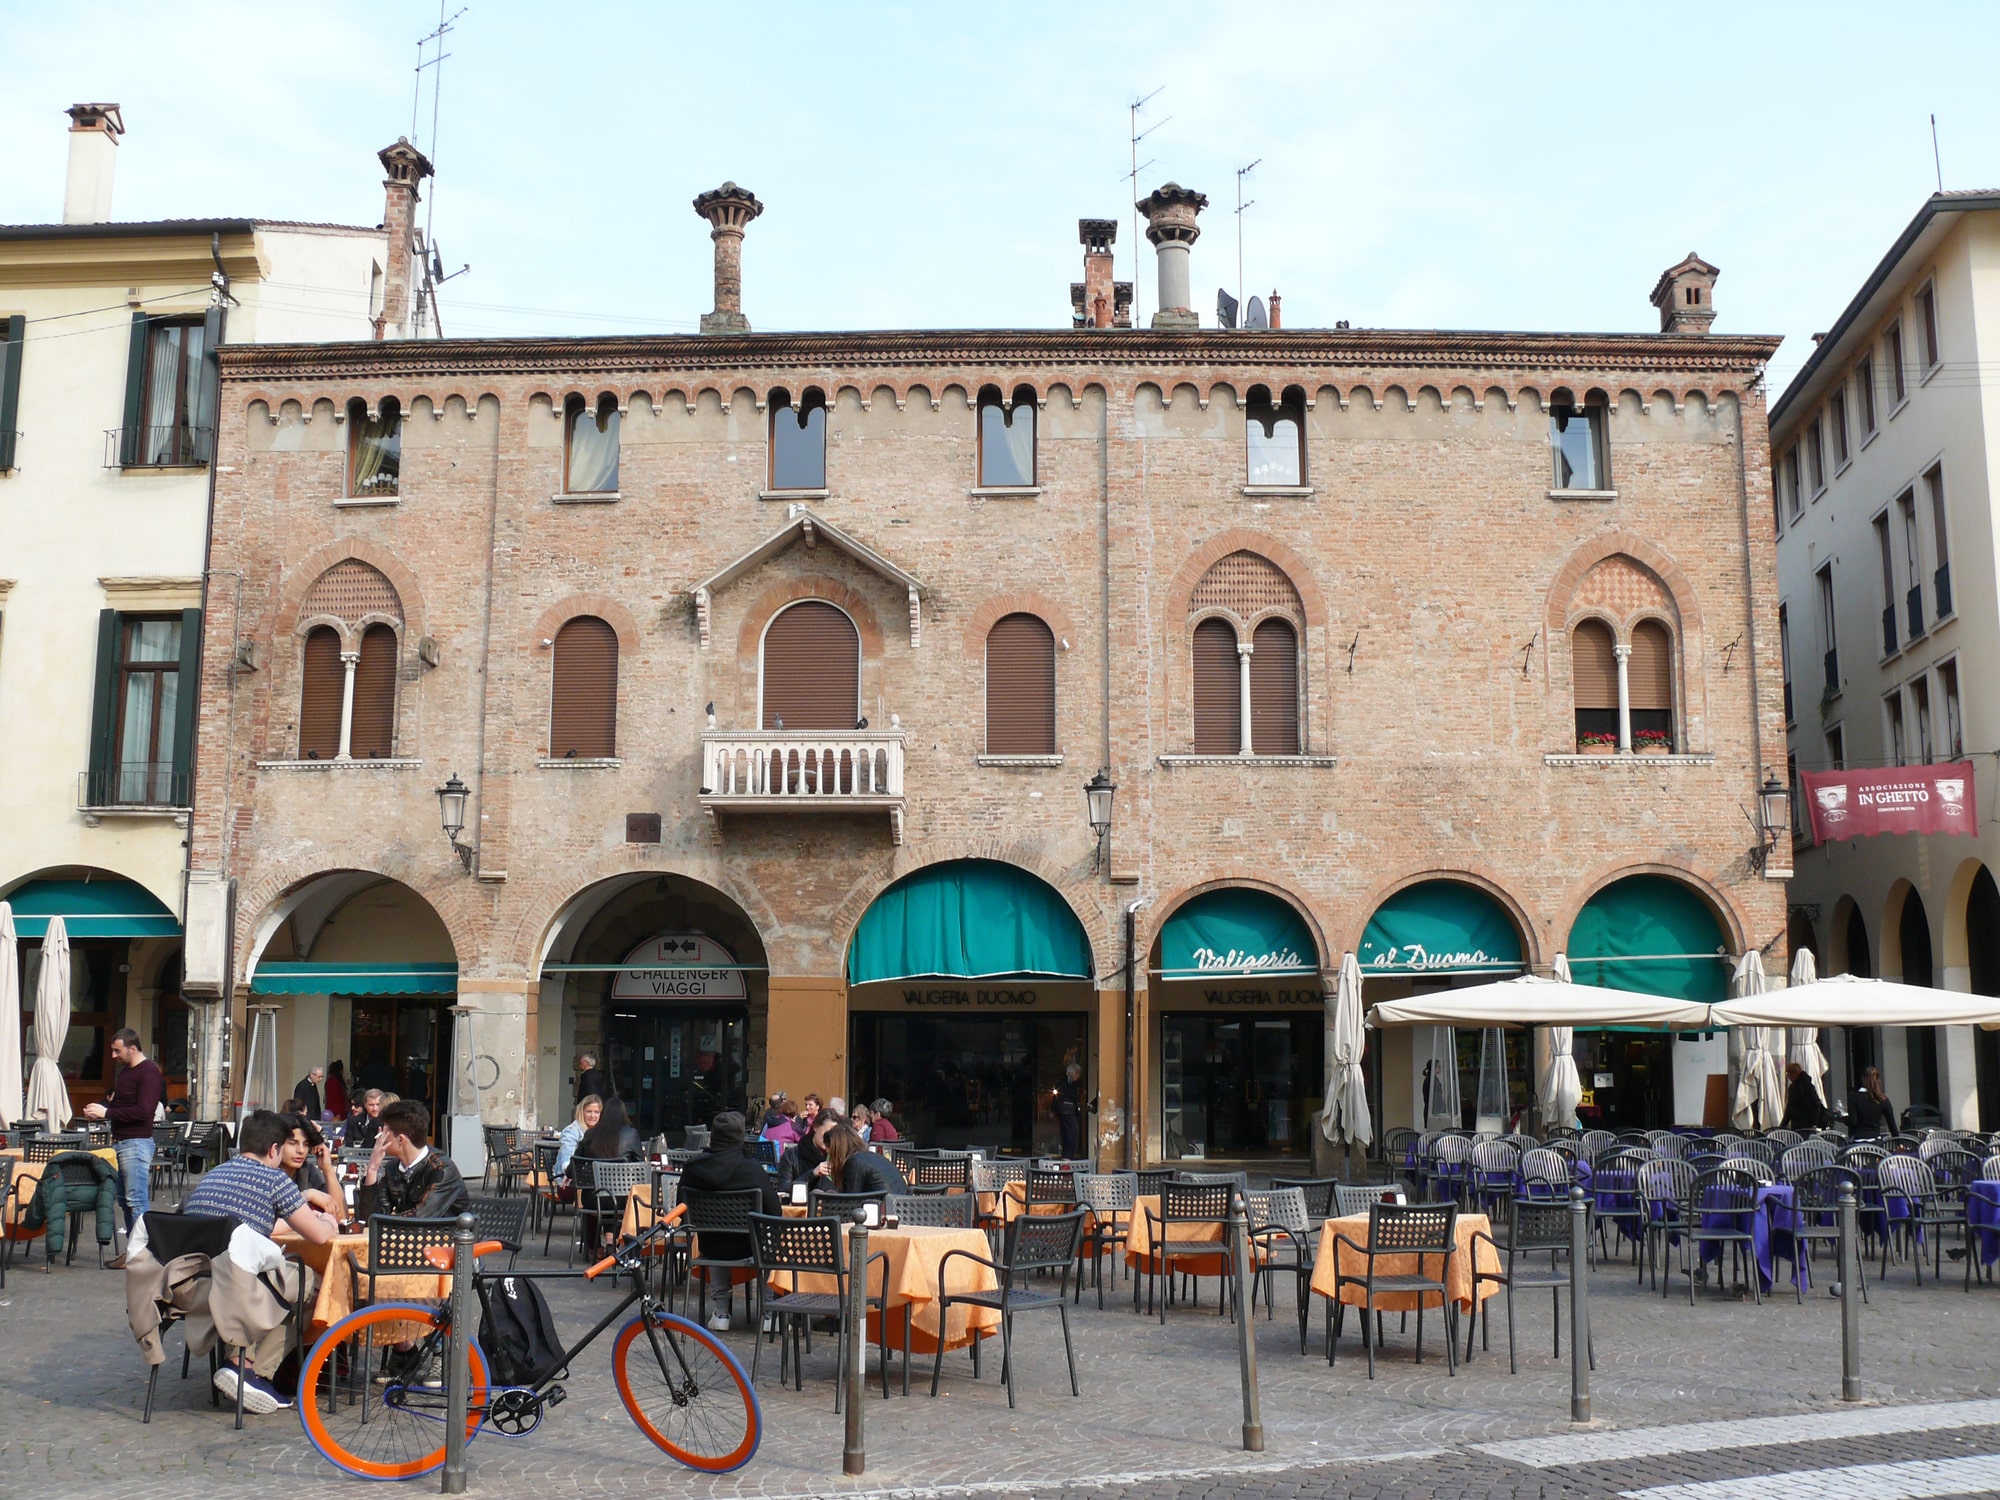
x=1760 y=1089
x=47 y=1095
x=10 y=1020
x=1560 y=1090
x=1345 y=1119
x=1804 y=1040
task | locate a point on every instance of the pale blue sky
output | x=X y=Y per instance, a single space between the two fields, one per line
x=1494 y=166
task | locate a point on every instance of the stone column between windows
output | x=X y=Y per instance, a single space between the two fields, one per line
x=1624 y=655
x=349 y=660
x=1243 y=650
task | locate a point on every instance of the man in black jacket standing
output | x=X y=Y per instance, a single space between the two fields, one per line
x=406 y=1176
x=306 y=1091
x=728 y=1165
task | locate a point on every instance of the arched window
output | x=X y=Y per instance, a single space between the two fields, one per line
x=583 y=700
x=1274 y=689
x=1594 y=684
x=1007 y=439
x=798 y=441
x=1276 y=438
x=1020 y=687
x=322 y=682
x=811 y=669
x=1218 y=692
x=590 y=446
x=374 y=451
x=1650 y=675
x=372 y=734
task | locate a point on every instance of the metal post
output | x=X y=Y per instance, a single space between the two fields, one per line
x=854 y=1457
x=458 y=1367
x=1579 y=1305
x=1850 y=1305
x=1246 y=1322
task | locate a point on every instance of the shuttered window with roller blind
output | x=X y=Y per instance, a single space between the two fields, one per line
x=1218 y=704
x=1020 y=687
x=1274 y=689
x=1650 y=681
x=812 y=669
x=322 y=679
x=1594 y=681
x=583 y=700
x=373 y=736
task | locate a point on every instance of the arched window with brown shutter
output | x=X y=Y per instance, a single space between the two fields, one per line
x=1218 y=689
x=811 y=669
x=1594 y=685
x=583 y=701
x=373 y=736
x=321 y=681
x=1020 y=687
x=1274 y=689
x=1650 y=681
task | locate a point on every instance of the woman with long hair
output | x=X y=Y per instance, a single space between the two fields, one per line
x=853 y=1168
x=589 y=1109
x=612 y=1138
x=1869 y=1112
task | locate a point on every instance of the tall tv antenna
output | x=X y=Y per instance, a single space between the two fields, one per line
x=1139 y=135
x=1241 y=173
x=432 y=268
x=1937 y=161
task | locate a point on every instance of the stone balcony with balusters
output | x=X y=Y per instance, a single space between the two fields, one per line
x=803 y=773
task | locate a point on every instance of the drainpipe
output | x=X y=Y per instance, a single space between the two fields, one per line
x=1131 y=1024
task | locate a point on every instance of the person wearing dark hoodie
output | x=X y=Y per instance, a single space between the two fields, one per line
x=729 y=1165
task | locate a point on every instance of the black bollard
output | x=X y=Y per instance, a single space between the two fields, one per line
x=458 y=1369
x=1579 y=1305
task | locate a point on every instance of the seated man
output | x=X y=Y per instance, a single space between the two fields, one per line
x=406 y=1177
x=252 y=1188
x=728 y=1165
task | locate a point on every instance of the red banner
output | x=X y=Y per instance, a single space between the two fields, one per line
x=1896 y=799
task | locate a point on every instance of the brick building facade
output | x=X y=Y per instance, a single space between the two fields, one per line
x=1390 y=522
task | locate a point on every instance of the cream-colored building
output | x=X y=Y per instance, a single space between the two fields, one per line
x=107 y=420
x=1883 y=460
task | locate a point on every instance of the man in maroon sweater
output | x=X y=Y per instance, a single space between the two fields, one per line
x=130 y=1106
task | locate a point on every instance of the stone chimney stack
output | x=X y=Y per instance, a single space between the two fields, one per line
x=407 y=168
x=1097 y=301
x=94 y=130
x=728 y=210
x=1170 y=224
x=1277 y=310
x=1685 y=296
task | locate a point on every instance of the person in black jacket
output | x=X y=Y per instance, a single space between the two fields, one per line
x=856 y=1169
x=590 y=1079
x=407 y=1176
x=612 y=1138
x=1805 y=1112
x=1869 y=1112
x=729 y=1165
x=801 y=1163
x=306 y=1091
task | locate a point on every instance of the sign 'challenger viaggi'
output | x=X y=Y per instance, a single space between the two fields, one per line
x=1898 y=799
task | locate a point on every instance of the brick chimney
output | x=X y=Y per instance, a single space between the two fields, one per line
x=407 y=168
x=1170 y=212
x=1685 y=296
x=94 y=130
x=1097 y=301
x=728 y=210
x=1277 y=314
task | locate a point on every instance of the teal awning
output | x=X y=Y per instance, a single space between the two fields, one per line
x=1440 y=927
x=333 y=978
x=108 y=908
x=1233 y=933
x=969 y=919
x=1651 y=934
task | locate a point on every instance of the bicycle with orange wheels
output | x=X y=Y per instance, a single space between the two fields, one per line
x=372 y=1391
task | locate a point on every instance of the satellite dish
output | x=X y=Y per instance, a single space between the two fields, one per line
x=1225 y=309
x=1256 y=317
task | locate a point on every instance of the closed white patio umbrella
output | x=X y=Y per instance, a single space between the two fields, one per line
x=1804 y=1040
x=1531 y=1000
x=1345 y=1120
x=10 y=1021
x=47 y=1095
x=1847 y=1000
x=1760 y=1089
x=1560 y=1089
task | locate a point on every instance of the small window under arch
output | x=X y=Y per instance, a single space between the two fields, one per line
x=1594 y=685
x=1218 y=693
x=1276 y=438
x=1274 y=688
x=590 y=446
x=1007 y=439
x=1650 y=675
x=322 y=679
x=798 y=441
x=372 y=734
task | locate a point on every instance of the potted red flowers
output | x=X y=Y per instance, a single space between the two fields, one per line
x=1597 y=742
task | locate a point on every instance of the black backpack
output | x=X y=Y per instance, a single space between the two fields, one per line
x=516 y=1332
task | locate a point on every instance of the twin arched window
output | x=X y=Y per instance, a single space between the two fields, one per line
x=1020 y=687
x=1007 y=439
x=347 y=699
x=583 y=696
x=1628 y=710
x=1229 y=679
x=374 y=450
x=590 y=446
x=798 y=441
x=1276 y=438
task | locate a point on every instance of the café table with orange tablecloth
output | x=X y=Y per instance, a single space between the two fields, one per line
x=27 y=1182
x=913 y=1254
x=1139 y=1243
x=335 y=1299
x=1335 y=1259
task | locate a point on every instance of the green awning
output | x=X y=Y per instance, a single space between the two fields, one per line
x=969 y=919
x=1440 y=927
x=1236 y=932
x=333 y=978
x=108 y=908
x=1650 y=934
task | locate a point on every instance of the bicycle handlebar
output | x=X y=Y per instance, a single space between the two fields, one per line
x=442 y=1256
x=667 y=1222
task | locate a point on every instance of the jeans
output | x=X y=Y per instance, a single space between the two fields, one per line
x=135 y=1178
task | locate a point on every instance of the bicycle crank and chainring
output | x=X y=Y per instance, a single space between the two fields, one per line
x=515 y=1413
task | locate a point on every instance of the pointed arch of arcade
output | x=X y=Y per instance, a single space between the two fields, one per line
x=563 y=904
x=1847 y=940
x=308 y=887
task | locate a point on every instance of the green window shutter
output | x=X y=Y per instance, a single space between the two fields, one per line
x=104 y=710
x=186 y=699
x=210 y=388
x=10 y=388
x=131 y=442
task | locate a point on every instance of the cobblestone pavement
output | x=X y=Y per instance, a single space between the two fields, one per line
x=1160 y=1416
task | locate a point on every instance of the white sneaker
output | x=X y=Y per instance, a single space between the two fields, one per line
x=225 y=1382
x=718 y=1322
